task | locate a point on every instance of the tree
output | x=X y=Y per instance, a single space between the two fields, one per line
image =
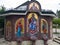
x=56 y=22
x=2 y=9
x=1 y=22
x=58 y=13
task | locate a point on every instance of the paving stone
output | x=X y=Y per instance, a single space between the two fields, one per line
x=39 y=42
x=26 y=43
x=13 y=43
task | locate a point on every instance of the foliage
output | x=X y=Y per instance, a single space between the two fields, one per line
x=56 y=32
x=1 y=22
x=2 y=9
x=56 y=21
x=58 y=13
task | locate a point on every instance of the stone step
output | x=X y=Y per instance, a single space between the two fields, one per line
x=56 y=40
x=59 y=37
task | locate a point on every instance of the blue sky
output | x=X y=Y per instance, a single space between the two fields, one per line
x=45 y=4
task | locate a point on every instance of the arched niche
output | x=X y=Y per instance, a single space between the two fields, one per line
x=8 y=30
x=32 y=25
x=44 y=26
x=19 y=27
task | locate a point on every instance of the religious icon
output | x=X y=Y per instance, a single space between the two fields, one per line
x=44 y=29
x=44 y=26
x=32 y=25
x=19 y=27
x=8 y=30
x=34 y=6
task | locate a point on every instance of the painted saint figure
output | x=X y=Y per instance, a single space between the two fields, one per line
x=33 y=27
x=32 y=24
x=44 y=28
x=18 y=29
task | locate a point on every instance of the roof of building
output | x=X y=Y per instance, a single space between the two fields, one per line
x=20 y=11
x=26 y=3
x=24 y=7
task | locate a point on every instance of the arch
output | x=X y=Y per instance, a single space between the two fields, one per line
x=8 y=30
x=8 y=23
x=19 y=27
x=30 y=15
x=30 y=18
x=44 y=26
